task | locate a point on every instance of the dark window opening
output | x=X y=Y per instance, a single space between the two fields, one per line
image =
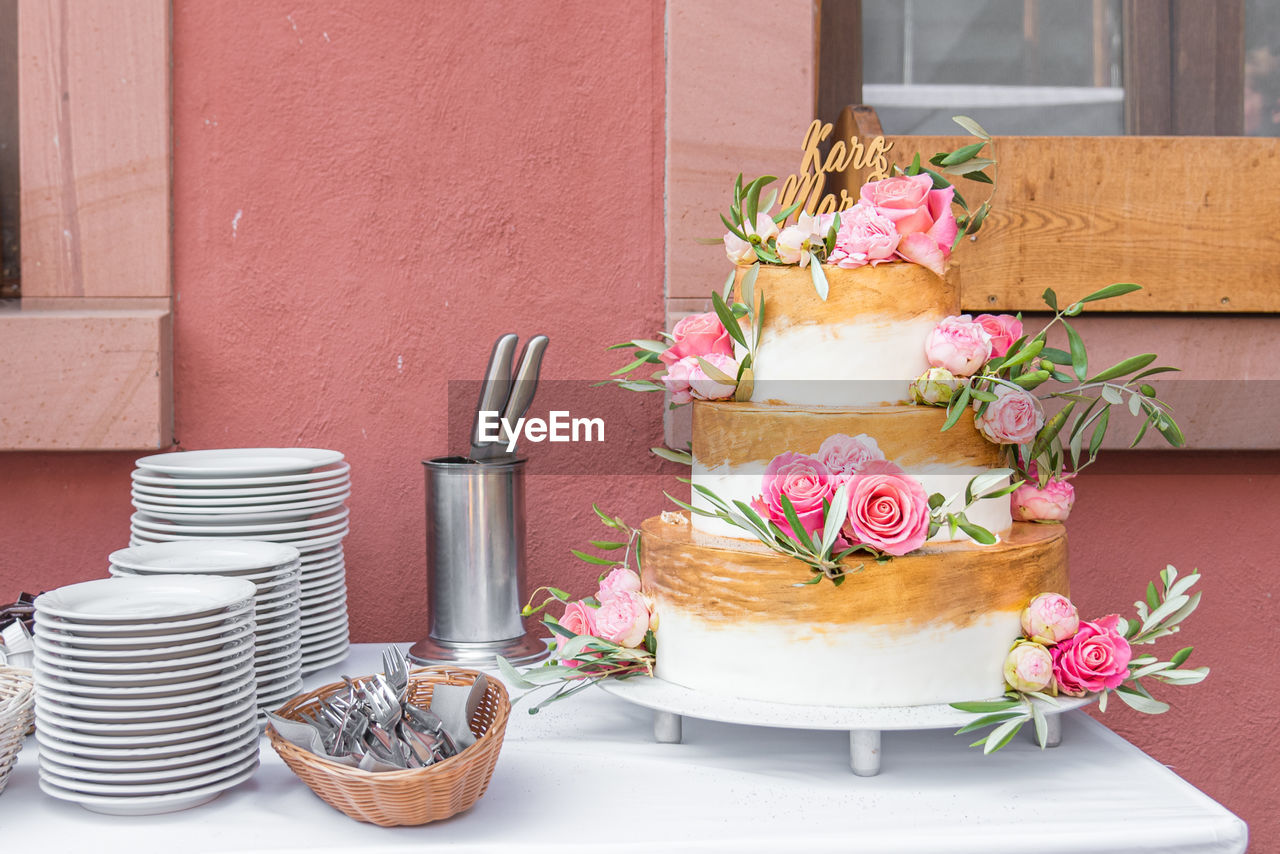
x=10 y=265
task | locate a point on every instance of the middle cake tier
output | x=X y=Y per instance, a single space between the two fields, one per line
x=733 y=444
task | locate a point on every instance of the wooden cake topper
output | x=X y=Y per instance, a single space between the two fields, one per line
x=806 y=187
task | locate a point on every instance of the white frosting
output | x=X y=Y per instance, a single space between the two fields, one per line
x=742 y=483
x=865 y=360
x=836 y=665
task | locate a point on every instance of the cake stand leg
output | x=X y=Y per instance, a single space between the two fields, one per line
x=666 y=728
x=1052 y=730
x=864 y=752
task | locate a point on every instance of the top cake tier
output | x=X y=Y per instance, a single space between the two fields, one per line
x=863 y=345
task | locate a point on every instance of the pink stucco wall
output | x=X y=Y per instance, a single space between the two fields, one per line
x=366 y=194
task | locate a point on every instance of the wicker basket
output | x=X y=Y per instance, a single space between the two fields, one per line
x=416 y=796
x=17 y=704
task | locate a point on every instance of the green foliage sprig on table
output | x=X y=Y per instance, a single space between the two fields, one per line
x=597 y=658
x=1075 y=433
x=825 y=554
x=1159 y=615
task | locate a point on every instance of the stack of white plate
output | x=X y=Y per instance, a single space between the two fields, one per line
x=145 y=691
x=293 y=496
x=274 y=569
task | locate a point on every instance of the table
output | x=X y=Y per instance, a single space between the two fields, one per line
x=586 y=775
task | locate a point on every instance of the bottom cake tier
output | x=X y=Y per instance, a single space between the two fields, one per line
x=931 y=627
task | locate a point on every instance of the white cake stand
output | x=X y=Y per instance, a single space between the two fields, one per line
x=671 y=702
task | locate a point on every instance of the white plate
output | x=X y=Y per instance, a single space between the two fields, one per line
x=279 y=644
x=144 y=522
x=151 y=752
x=125 y=631
x=67 y=765
x=256 y=500
x=217 y=555
x=324 y=647
x=239 y=462
x=338 y=587
x=245 y=760
x=128 y=699
x=156 y=599
x=314 y=576
x=305 y=478
x=161 y=659
x=150 y=805
x=321 y=605
x=239 y=516
x=78 y=681
x=265 y=578
x=227 y=702
x=127 y=725
x=76 y=646
x=249 y=735
x=325 y=658
x=300 y=540
x=274 y=657
x=316 y=557
x=273 y=700
x=339 y=479
x=98 y=738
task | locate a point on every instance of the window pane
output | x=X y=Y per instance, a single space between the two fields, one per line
x=1262 y=68
x=1018 y=66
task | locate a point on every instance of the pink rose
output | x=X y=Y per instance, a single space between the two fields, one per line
x=888 y=511
x=1030 y=503
x=1028 y=667
x=623 y=619
x=958 y=344
x=579 y=618
x=848 y=455
x=697 y=335
x=676 y=379
x=805 y=481
x=1049 y=619
x=1095 y=659
x=619 y=580
x=916 y=208
x=705 y=388
x=1004 y=329
x=865 y=237
x=1013 y=418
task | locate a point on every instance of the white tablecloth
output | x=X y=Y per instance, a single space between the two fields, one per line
x=586 y=775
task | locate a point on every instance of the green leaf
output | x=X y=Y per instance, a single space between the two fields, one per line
x=1042 y=725
x=1003 y=734
x=1099 y=432
x=959 y=155
x=512 y=676
x=972 y=127
x=982 y=706
x=1025 y=354
x=1079 y=359
x=727 y=319
x=747 y=289
x=643 y=360
x=977 y=532
x=835 y=519
x=914 y=168
x=1120 y=369
x=598 y=561
x=980 y=177
x=1112 y=291
x=1181 y=655
x=1050 y=298
x=977 y=164
x=715 y=374
x=786 y=212
x=607 y=545
x=937 y=500
x=683 y=457
x=1152 y=371
x=1171 y=432
x=1058 y=357
x=939 y=182
x=1140 y=703
x=801 y=535
x=957 y=406
x=728 y=283
x=1051 y=429
x=1153 y=598
x=818 y=276
x=757 y=322
x=767 y=204
x=753 y=196
x=987 y=720
x=733 y=229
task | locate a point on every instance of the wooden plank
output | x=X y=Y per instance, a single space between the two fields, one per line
x=95 y=127
x=839 y=56
x=1077 y=213
x=86 y=375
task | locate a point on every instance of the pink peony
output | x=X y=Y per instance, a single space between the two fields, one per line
x=1013 y=418
x=705 y=388
x=740 y=252
x=1030 y=503
x=865 y=237
x=1049 y=619
x=623 y=619
x=579 y=618
x=619 y=580
x=697 y=335
x=848 y=455
x=1028 y=667
x=958 y=344
x=1004 y=329
x=916 y=208
x=676 y=379
x=1094 y=659
x=887 y=510
x=805 y=481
